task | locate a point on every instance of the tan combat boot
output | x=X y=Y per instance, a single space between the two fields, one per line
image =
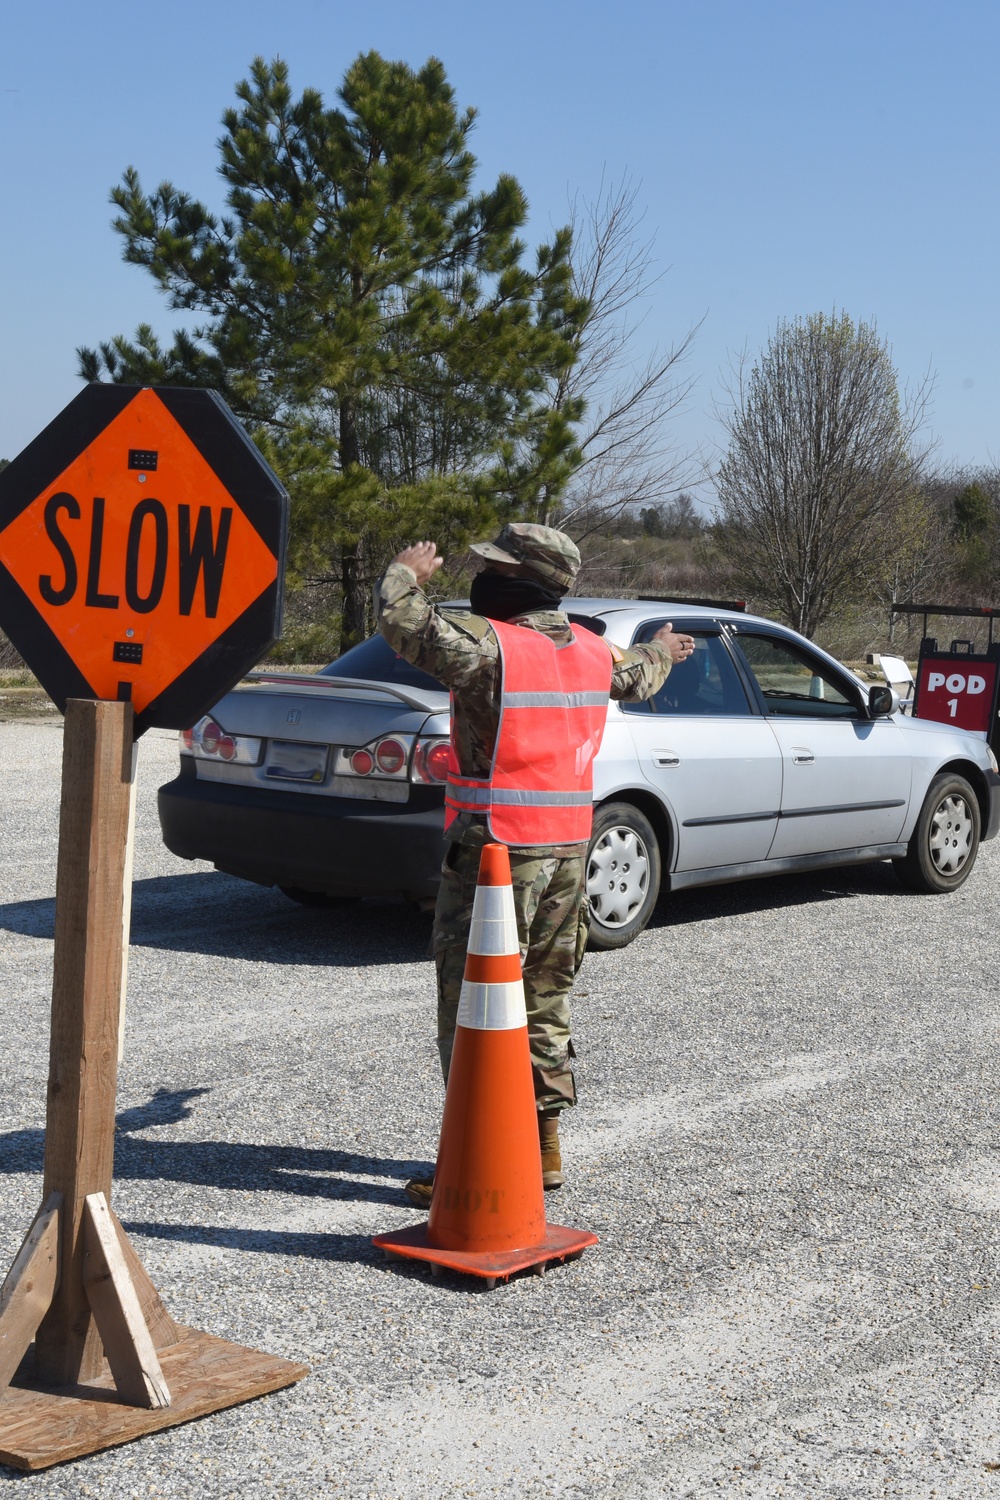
x=548 y=1137
x=420 y=1190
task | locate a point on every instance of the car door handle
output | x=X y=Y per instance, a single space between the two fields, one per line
x=802 y=757
x=666 y=758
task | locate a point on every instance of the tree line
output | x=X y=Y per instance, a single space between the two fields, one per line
x=409 y=367
x=940 y=546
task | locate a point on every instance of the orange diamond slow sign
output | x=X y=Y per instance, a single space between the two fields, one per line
x=142 y=541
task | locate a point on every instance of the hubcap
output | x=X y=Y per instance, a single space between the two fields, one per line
x=617 y=876
x=951 y=835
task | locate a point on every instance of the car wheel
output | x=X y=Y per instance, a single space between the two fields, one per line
x=315 y=898
x=945 y=841
x=623 y=875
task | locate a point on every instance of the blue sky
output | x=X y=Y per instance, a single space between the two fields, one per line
x=789 y=158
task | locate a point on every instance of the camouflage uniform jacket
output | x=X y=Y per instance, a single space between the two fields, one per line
x=462 y=652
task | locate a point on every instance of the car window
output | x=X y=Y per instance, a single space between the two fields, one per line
x=376 y=661
x=793 y=682
x=706 y=683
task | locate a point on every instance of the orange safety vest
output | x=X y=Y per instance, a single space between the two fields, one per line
x=553 y=709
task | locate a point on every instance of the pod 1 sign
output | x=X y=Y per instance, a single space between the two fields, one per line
x=957 y=689
x=142 y=545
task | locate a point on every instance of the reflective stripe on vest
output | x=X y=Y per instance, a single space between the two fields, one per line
x=555 y=700
x=553 y=709
x=477 y=795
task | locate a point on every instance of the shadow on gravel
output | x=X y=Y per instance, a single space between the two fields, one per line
x=355 y=1248
x=330 y=1246
x=306 y=1171
x=770 y=893
x=218 y=916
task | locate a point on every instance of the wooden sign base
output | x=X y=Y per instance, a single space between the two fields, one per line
x=40 y=1427
x=96 y=1357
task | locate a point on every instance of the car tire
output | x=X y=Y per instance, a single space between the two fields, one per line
x=315 y=898
x=623 y=875
x=945 y=841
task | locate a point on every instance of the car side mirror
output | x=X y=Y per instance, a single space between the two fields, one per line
x=881 y=701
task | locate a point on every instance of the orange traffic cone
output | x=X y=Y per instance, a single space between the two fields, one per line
x=487 y=1214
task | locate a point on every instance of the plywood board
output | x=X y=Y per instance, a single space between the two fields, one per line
x=205 y=1374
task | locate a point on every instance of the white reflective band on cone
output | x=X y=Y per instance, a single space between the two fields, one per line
x=494 y=926
x=492 y=1007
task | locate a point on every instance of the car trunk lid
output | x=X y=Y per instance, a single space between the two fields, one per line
x=331 y=710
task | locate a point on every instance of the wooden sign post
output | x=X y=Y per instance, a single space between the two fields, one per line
x=89 y=1355
x=80 y=1107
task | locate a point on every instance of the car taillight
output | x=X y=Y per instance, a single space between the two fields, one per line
x=430 y=761
x=207 y=740
x=390 y=757
x=211 y=734
x=383 y=759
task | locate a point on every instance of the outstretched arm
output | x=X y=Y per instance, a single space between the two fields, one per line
x=644 y=669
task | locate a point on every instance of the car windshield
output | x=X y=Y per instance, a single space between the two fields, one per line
x=375 y=661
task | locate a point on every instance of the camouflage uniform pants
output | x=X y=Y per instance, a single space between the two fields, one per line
x=553 y=918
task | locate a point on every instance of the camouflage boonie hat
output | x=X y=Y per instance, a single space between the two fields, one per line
x=542 y=551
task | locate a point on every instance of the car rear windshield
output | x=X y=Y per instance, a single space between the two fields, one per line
x=376 y=661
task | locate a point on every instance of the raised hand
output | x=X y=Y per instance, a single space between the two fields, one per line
x=422 y=558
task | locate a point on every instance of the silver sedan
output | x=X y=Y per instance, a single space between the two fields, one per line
x=760 y=755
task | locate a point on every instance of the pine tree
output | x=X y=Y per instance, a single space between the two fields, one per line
x=370 y=317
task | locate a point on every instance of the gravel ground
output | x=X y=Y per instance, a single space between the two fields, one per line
x=787 y=1144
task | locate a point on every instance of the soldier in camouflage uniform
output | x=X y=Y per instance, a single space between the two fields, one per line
x=529 y=569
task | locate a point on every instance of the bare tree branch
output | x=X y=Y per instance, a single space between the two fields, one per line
x=629 y=457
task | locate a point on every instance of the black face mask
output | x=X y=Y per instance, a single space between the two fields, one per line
x=498 y=596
